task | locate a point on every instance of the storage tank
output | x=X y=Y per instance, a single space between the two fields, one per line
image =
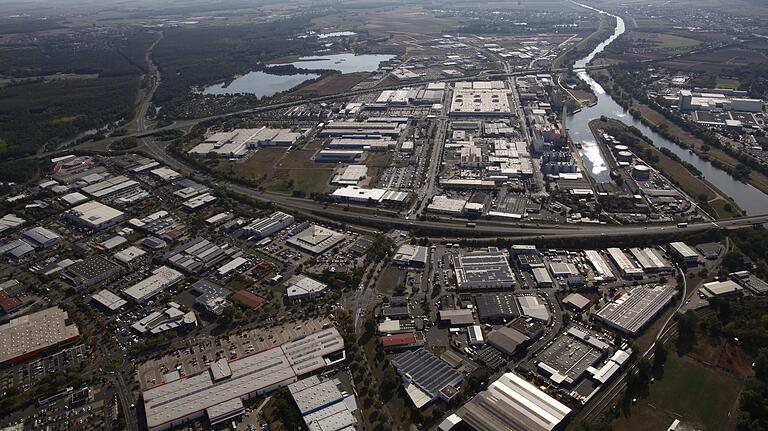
x=624 y=156
x=641 y=172
x=620 y=147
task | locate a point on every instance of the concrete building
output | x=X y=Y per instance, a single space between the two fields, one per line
x=513 y=403
x=369 y=195
x=171 y=318
x=576 y=302
x=651 y=260
x=210 y=296
x=108 y=300
x=542 y=278
x=89 y=272
x=218 y=392
x=26 y=336
x=350 y=175
x=603 y=271
x=161 y=279
x=446 y=205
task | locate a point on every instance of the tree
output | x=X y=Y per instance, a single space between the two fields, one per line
x=659 y=359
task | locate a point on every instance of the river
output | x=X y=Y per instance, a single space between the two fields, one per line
x=750 y=199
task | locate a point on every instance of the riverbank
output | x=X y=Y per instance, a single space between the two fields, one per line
x=709 y=197
x=659 y=123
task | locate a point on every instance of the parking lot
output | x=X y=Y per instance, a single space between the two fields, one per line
x=26 y=375
x=201 y=351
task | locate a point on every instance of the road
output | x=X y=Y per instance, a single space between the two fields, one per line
x=154 y=79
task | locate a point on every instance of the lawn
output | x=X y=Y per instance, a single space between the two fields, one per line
x=733 y=84
x=689 y=391
x=391 y=278
x=281 y=172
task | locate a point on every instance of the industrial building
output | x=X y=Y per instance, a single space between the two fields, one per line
x=512 y=403
x=507 y=340
x=350 y=175
x=219 y=391
x=161 y=279
x=411 y=255
x=41 y=237
x=625 y=265
x=210 y=296
x=533 y=306
x=480 y=98
x=238 y=142
x=633 y=310
x=108 y=300
x=542 y=278
x=370 y=195
x=721 y=288
x=89 y=272
x=95 y=215
x=316 y=239
x=651 y=260
x=576 y=302
x=709 y=99
x=570 y=356
x=28 y=335
x=267 y=226
x=603 y=271
x=496 y=307
x=483 y=270
x=199 y=254
x=457 y=317
x=345 y=156
x=403 y=341
x=300 y=287
x=684 y=252
x=446 y=205
x=426 y=377
x=751 y=282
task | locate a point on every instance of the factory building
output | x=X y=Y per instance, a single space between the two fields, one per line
x=426 y=377
x=411 y=255
x=95 y=215
x=625 y=265
x=267 y=226
x=370 y=195
x=483 y=270
x=301 y=286
x=480 y=98
x=684 y=252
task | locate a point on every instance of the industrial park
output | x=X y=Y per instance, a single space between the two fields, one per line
x=482 y=224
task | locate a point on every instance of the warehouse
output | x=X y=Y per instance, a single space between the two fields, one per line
x=576 y=302
x=626 y=266
x=533 y=306
x=512 y=403
x=480 y=98
x=350 y=175
x=338 y=155
x=682 y=251
x=218 y=392
x=750 y=282
x=426 y=377
x=651 y=260
x=198 y=254
x=721 y=288
x=458 y=317
x=570 y=356
x=483 y=270
x=496 y=308
x=161 y=279
x=108 y=300
x=26 y=336
x=369 y=195
x=411 y=255
x=446 y=205
x=323 y=405
x=542 y=278
x=95 y=215
x=633 y=310
x=316 y=239
x=603 y=271
x=267 y=226
x=403 y=341
x=89 y=272
x=507 y=340
x=42 y=237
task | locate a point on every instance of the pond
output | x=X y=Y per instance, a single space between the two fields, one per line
x=259 y=83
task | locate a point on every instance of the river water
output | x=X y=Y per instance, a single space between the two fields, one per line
x=750 y=199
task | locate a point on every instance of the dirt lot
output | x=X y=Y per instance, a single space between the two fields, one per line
x=333 y=84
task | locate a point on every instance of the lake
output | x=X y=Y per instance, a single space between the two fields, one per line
x=344 y=63
x=259 y=83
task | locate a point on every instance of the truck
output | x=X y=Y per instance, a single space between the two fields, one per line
x=682 y=225
x=471 y=224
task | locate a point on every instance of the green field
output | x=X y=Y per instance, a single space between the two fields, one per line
x=690 y=391
x=727 y=83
